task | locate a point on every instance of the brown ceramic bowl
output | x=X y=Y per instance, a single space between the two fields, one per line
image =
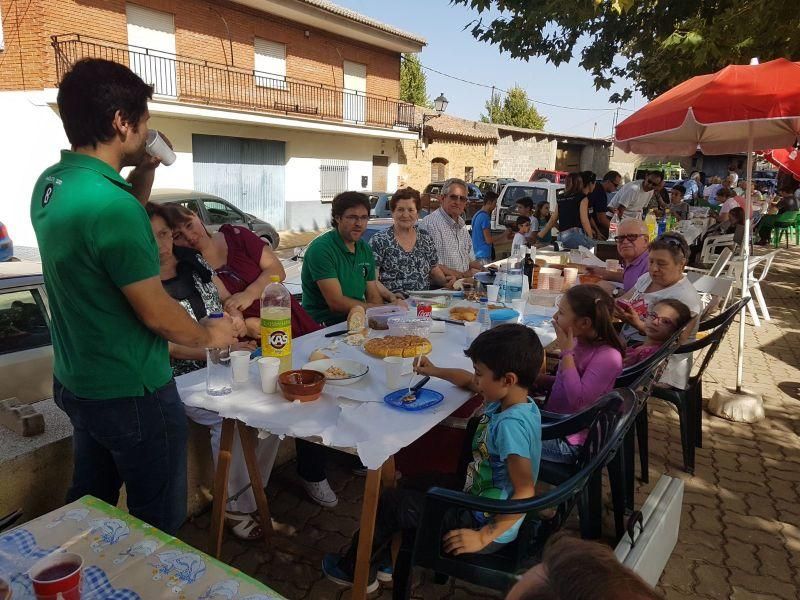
x=302 y=384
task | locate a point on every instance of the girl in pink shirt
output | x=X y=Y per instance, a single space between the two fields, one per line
x=665 y=318
x=591 y=360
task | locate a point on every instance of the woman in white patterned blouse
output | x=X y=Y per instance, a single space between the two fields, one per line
x=405 y=256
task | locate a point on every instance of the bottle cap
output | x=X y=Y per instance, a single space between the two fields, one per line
x=274 y=278
x=484 y=299
x=216 y=315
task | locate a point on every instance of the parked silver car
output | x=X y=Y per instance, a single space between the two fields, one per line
x=215 y=212
x=26 y=350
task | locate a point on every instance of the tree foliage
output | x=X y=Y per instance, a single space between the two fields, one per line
x=655 y=43
x=515 y=109
x=413 y=82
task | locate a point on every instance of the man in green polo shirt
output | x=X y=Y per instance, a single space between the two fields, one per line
x=338 y=267
x=111 y=318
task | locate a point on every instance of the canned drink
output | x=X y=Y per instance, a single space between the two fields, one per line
x=424 y=310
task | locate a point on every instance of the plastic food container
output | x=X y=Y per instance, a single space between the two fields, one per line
x=378 y=316
x=409 y=326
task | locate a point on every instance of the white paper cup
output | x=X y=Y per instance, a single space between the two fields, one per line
x=491 y=292
x=519 y=305
x=240 y=365
x=158 y=148
x=612 y=264
x=472 y=329
x=268 y=367
x=394 y=370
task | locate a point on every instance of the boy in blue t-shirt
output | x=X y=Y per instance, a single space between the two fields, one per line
x=506 y=449
x=482 y=238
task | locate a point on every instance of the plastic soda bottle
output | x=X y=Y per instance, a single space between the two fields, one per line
x=276 y=323
x=652 y=225
x=612 y=227
x=483 y=315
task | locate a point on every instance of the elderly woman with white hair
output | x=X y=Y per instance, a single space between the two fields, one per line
x=449 y=231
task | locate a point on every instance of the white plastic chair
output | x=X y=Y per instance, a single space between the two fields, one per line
x=723 y=258
x=713 y=290
x=713 y=245
x=754 y=283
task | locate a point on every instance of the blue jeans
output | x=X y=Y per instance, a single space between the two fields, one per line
x=573 y=238
x=559 y=451
x=139 y=441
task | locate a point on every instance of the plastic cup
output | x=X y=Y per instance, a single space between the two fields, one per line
x=472 y=329
x=57 y=576
x=491 y=292
x=519 y=305
x=268 y=367
x=240 y=365
x=158 y=148
x=394 y=366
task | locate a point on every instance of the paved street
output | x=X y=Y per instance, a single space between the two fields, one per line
x=740 y=529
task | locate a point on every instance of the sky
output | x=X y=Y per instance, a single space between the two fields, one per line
x=451 y=49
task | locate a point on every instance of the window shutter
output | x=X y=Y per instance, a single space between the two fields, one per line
x=270 y=63
x=150 y=29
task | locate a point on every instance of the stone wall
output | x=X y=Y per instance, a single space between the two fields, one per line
x=519 y=154
x=415 y=162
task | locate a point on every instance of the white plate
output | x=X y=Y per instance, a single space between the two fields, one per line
x=355 y=369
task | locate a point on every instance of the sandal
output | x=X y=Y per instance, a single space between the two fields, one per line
x=246 y=526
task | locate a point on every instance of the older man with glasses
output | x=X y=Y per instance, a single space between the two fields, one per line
x=449 y=231
x=632 y=198
x=632 y=240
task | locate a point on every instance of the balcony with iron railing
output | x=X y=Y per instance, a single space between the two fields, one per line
x=198 y=81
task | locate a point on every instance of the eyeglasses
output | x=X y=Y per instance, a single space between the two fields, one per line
x=631 y=237
x=659 y=320
x=651 y=183
x=356 y=218
x=457 y=197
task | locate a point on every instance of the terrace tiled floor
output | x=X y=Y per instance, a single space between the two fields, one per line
x=740 y=528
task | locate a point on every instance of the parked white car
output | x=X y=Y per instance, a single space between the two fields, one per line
x=26 y=350
x=505 y=215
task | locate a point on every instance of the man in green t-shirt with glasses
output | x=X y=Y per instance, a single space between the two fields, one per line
x=111 y=318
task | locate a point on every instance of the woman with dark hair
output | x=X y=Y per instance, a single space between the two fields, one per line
x=190 y=280
x=668 y=255
x=575 y=569
x=405 y=255
x=591 y=360
x=242 y=261
x=572 y=212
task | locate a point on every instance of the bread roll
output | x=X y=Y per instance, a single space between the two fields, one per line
x=356 y=319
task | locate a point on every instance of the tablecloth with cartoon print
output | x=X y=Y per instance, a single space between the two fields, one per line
x=124 y=558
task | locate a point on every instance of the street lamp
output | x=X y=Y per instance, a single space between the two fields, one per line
x=439 y=105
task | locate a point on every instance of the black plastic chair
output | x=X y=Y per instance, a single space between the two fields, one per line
x=689 y=401
x=605 y=421
x=639 y=378
x=9 y=519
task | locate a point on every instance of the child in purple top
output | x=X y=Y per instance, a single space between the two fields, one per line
x=665 y=318
x=591 y=360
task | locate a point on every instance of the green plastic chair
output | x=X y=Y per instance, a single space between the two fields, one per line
x=786 y=224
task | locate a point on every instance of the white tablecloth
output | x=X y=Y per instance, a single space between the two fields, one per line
x=350 y=417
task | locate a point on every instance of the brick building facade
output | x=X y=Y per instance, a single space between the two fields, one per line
x=311 y=86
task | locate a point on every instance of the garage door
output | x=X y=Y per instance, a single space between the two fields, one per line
x=248 y=173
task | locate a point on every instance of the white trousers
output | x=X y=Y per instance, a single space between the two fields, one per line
x=238 y=477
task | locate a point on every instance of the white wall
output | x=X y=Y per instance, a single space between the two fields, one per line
x=32 y=137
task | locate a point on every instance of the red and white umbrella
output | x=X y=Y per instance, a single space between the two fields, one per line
x=742 y=107
x=787 y=159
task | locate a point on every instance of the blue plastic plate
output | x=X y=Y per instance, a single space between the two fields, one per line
x=425 y=399
x=503 y=314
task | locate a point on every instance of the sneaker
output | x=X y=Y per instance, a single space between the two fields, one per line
x=321 y=493
x=385 y=574
x=330 y=567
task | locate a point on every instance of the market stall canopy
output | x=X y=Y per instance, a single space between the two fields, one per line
x=714 y=113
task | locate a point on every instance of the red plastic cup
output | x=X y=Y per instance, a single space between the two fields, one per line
x=424 y=310
x=57 y=576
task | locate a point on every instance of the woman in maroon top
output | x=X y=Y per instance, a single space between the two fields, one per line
x=242 y=260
